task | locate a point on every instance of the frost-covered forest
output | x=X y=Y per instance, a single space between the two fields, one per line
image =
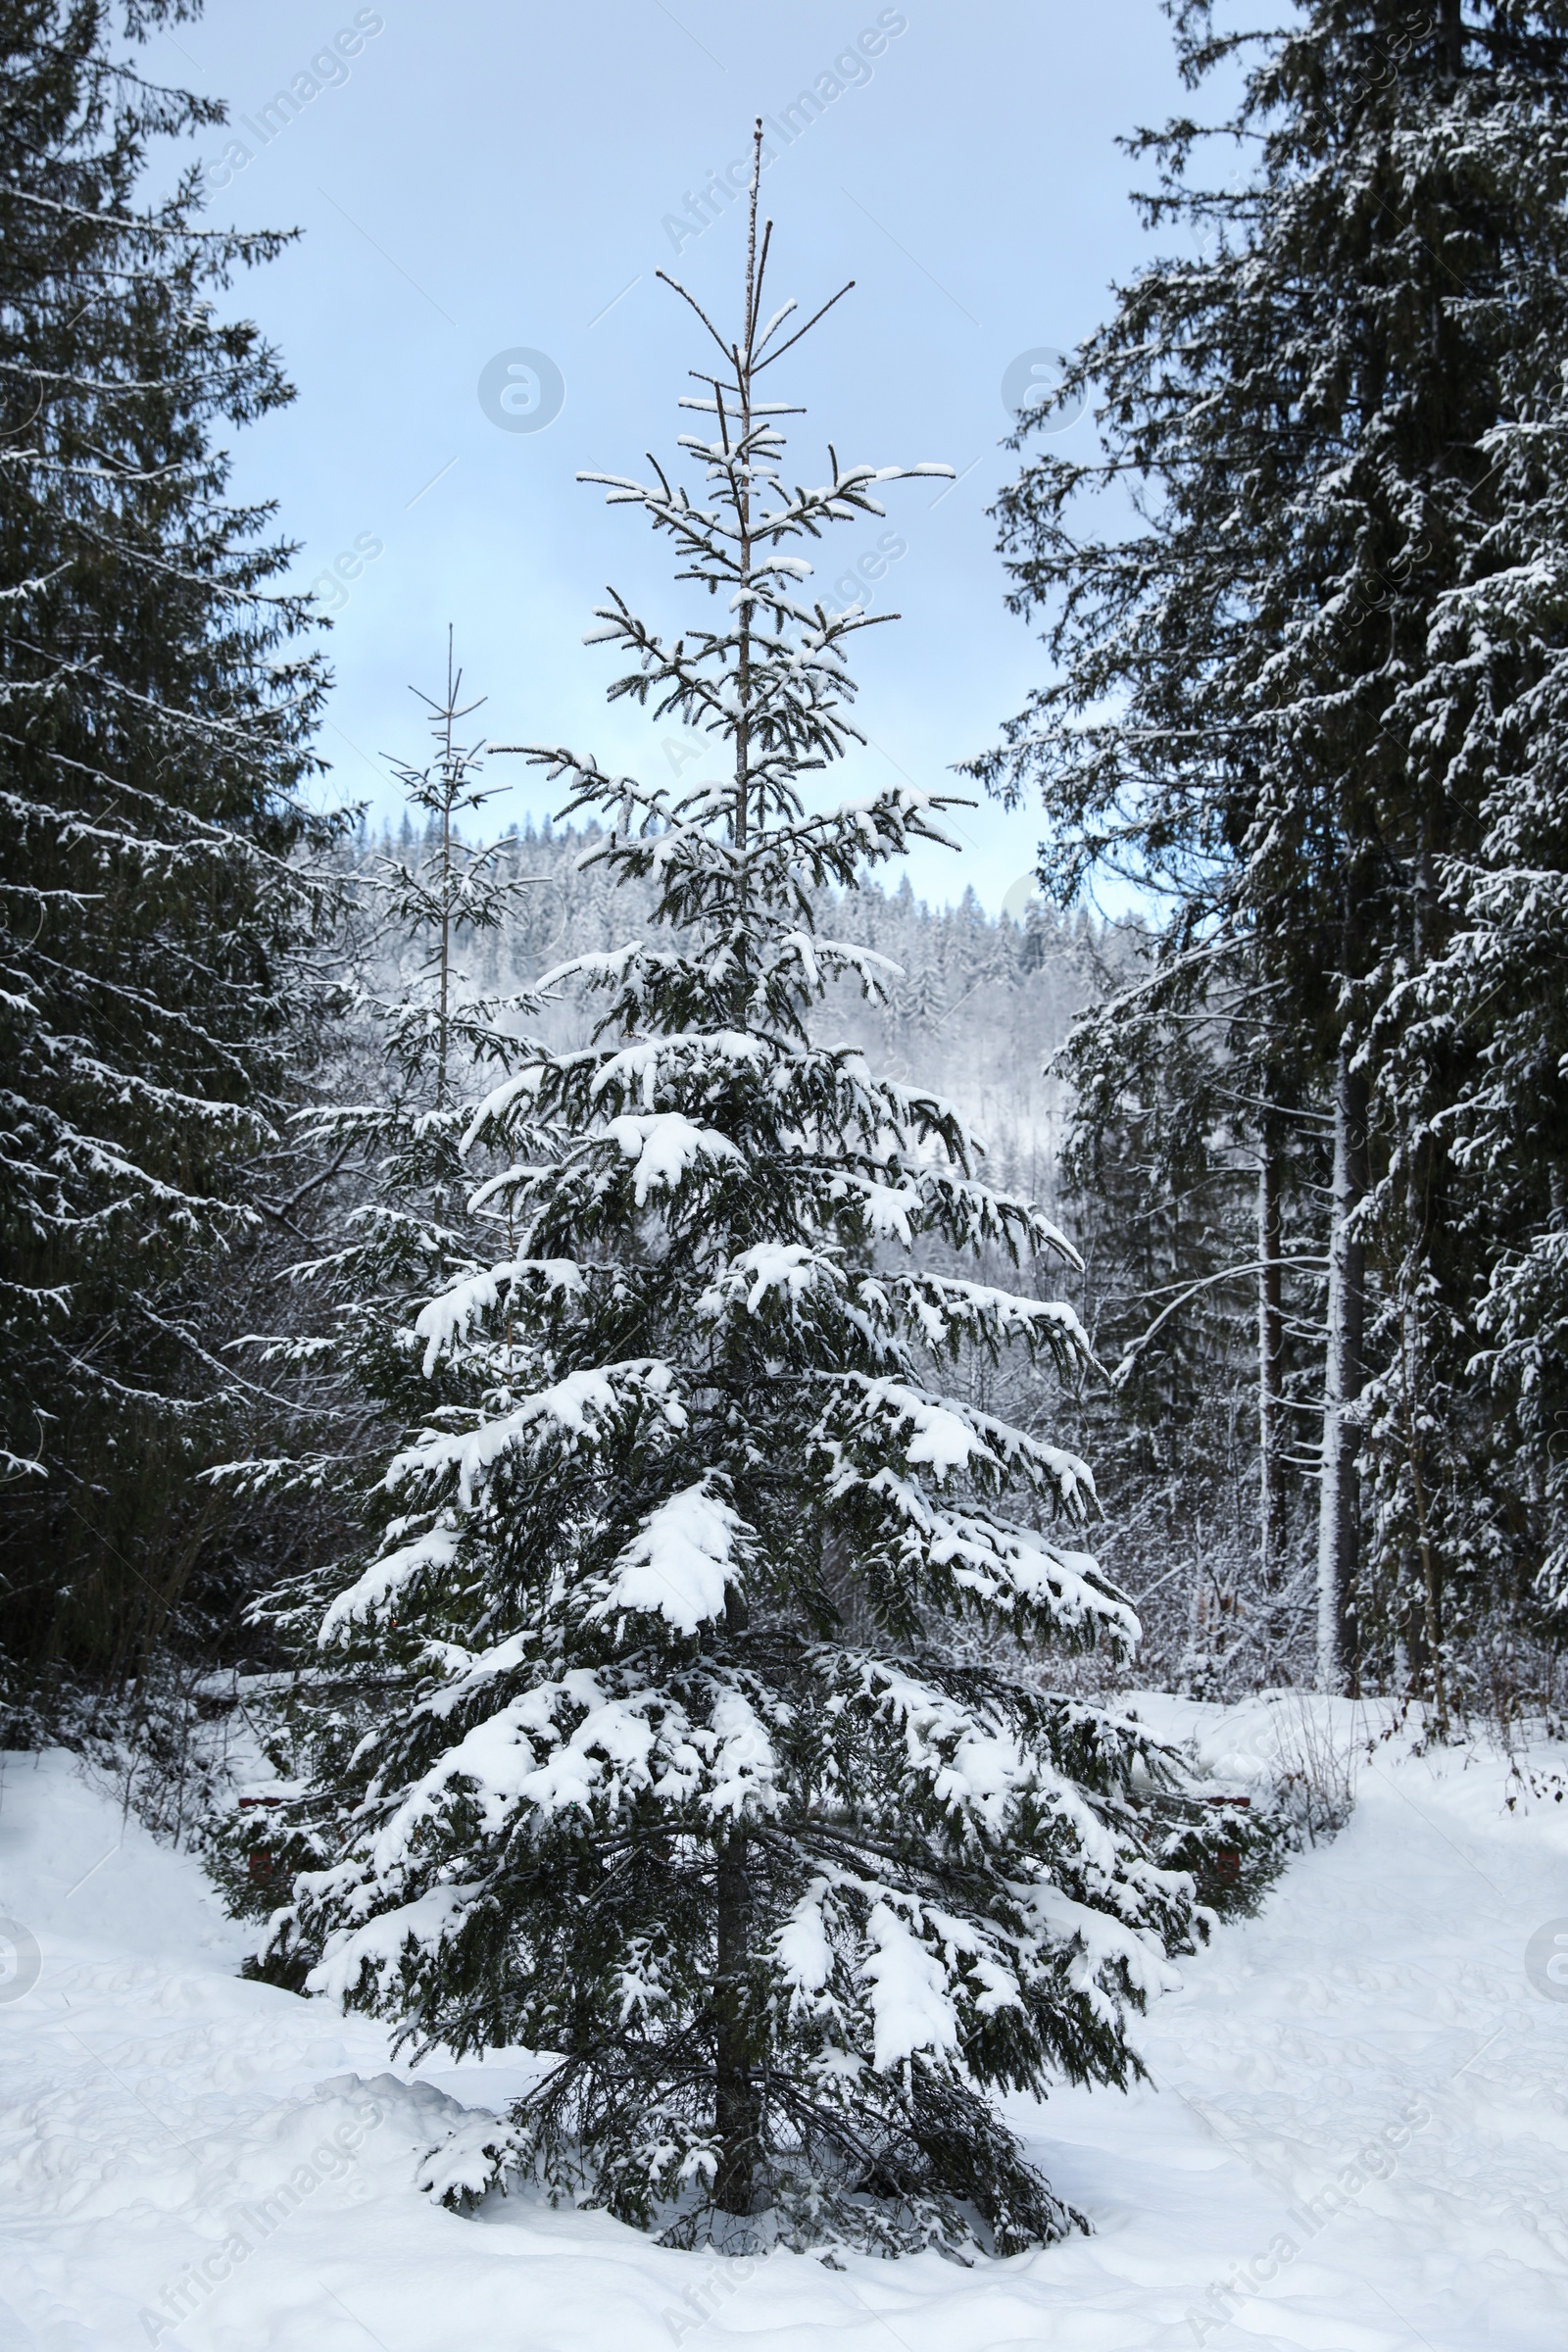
x=667 y=1461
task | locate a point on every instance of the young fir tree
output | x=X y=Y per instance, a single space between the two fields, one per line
x=781 y=1905
x=155 y=730
x=1478 y=1048
x=1305 y=408
x=400 y=1219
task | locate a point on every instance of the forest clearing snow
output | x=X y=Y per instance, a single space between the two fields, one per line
x=1354 y=2138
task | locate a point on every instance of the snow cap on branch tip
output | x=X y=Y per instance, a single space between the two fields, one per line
x=911 y=2004
x=804 y=1952
x=665 y=1144
x=385 y=1577
x=681 y=1562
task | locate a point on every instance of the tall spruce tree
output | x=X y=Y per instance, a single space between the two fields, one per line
x=1305 y=407
x=154 y=735
x=780 y=1902
x=1475 y=1056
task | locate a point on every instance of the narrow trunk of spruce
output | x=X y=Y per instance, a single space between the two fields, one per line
x=743 y=378
x=445 y=957
x=1433 y=1597
x=1421 y=1217
x=1338 y=1507
x=447 y=893
x=1451 y=40
x=736 y=2119
x=735 y=2091
x=1270 y=1365
x=736 y=2115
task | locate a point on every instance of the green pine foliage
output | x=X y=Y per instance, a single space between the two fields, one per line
x=154 y=738
x=1476 y=1044
x=645 y=1736
x=1246 y=719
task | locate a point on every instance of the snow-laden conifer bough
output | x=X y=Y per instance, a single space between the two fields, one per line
x=649 y=1748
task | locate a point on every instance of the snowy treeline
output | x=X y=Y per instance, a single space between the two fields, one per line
x=984 y=1009
x=981 y=1004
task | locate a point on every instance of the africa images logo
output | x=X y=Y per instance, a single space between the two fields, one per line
x=20 y=1960
x=1546 y=1960
x=521 y=390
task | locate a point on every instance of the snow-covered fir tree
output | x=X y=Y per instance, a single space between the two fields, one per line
x=157 y=730
x=389 y=1154
x=666 y=1766
x=1475 y=1051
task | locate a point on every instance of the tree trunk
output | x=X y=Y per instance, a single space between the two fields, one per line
x=735 y=2120
x=1423 y=1217
x=1270 y=1365
x=1338 y=1517
x=735 y=2092
x=1451 y=40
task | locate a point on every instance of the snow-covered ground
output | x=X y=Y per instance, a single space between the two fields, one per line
x=1354 y=2139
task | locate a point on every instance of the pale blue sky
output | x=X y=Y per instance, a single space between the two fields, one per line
x=478 y=178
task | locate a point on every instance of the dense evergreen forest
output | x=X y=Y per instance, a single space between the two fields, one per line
x=645 y=1299
x=1303 y=1116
